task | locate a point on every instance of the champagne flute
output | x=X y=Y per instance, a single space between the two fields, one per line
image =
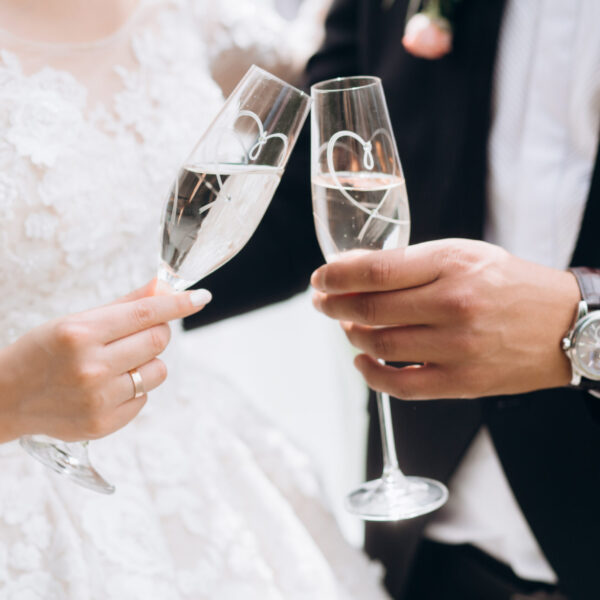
x=360 y=205
x=217 y=201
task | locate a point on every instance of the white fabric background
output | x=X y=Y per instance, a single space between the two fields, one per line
x=296 y=367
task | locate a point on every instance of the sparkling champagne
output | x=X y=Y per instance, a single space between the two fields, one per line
x=211 y=213
x=360 y=211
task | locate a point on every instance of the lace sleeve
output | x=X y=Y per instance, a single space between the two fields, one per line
x=240 y=34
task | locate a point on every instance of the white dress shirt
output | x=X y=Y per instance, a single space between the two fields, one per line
x=542 y=148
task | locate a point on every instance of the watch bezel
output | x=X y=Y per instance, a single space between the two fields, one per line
x=593 y=316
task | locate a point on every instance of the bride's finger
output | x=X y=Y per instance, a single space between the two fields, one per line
x=154 y=287
x=152 y=374
x=119 y=320
x=137 y=349
x=119 y=417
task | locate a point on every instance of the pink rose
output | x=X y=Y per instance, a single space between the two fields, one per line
x=427 y=37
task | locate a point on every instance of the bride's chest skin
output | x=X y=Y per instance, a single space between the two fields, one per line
x=65 y=21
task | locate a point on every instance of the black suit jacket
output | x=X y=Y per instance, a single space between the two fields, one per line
x=549 y=441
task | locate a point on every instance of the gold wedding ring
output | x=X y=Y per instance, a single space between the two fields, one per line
x=138 y=384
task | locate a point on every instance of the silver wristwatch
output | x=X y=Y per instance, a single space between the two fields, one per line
x=582 y=343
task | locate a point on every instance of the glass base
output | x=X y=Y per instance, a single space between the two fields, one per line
x=69 y=459
x=393 y=500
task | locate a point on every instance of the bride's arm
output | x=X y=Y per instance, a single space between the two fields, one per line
x=69 y=378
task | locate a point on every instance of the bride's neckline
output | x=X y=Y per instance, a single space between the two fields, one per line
x=100 y=42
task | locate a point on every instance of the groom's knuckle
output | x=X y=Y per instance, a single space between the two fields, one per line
x=365 y=308
x=383 y=344
x=459 y=303
x=379 y=271
x=454 y=255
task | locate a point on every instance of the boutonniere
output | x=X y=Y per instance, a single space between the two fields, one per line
x=428 y=27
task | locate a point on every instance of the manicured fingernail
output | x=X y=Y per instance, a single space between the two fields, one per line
x=200 y=297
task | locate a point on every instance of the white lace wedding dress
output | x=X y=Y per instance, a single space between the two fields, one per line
x=211 y=501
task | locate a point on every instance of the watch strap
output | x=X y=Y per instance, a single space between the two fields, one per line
x=589 y=386
x=589 y=285
x=588 y=281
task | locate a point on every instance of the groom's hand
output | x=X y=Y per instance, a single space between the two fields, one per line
x=477 y=320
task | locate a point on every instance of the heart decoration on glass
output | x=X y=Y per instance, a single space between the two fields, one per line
x=263 y=138
x=253 y=152
x=368 y=163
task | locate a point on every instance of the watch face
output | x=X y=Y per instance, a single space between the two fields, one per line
x=586 y=347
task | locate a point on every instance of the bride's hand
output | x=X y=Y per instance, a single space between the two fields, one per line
x=69 y=378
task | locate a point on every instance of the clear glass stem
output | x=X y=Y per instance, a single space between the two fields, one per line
x=394 y=496
x=391 y=470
